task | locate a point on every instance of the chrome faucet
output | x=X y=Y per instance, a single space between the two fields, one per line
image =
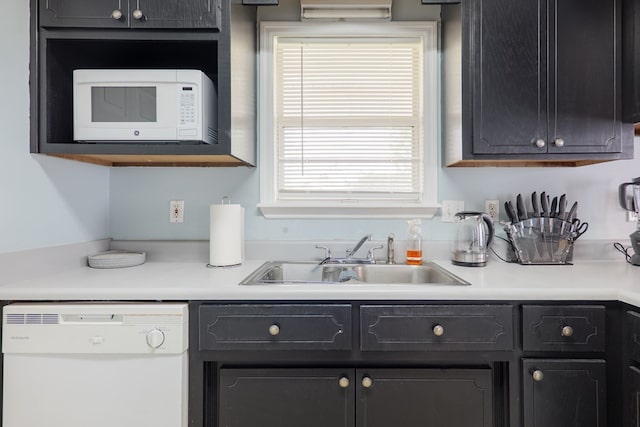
x=391 y=249
x=349 y=258
x=352 y=252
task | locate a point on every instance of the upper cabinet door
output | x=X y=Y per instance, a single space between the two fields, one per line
x=83 y=13
x=631 y=60
x=584 y=76
x=170 y=14
x=509 y=77
x=175 y=13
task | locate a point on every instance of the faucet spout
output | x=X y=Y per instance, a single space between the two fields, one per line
x=352 y=252
x=391 y=250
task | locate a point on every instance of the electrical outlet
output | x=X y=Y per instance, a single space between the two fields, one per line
x=492 y=207
x=176 y=211
x=632 y=216
x=450 y=208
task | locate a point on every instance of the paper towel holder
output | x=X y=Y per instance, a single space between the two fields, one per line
x=224 y=256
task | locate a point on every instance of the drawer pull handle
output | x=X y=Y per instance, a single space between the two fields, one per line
x=537 y=375
x=367 y=382
x=274 y=330
x=343 y=382
x=540 y=143
x=438 y=330
x=567 y=331
x=138 y=15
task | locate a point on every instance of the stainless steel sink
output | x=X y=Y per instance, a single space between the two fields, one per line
x=287 y=273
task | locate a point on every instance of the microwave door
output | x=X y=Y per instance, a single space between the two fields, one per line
x=124 y=104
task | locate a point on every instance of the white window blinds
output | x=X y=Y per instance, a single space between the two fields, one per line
x=348 y=118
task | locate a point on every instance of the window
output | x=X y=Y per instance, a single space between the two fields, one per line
x=348 y=119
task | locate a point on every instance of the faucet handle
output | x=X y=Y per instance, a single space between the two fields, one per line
x=327 y=251
x=370 y=254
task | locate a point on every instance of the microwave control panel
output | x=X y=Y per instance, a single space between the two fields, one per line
x=187 y=106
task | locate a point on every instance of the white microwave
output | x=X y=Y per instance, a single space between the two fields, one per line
x=173 y=106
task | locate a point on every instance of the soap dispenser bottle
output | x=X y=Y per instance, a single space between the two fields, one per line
x=414 y=245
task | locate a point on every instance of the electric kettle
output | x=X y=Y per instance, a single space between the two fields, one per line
x=474 y=233
x=629 y=198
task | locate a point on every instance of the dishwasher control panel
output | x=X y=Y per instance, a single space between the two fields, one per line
x=115 y=328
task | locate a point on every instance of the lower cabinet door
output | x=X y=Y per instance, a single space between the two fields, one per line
x=283 y=397
x=564 y=393
x=424 y=397
x=286 y=398
x=632 y=398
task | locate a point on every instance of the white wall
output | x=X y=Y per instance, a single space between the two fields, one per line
x=45 y=201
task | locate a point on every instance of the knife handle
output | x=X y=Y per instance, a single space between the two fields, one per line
x=511 y=212
x=535 y=204
x=522 y=210
x=544 y=201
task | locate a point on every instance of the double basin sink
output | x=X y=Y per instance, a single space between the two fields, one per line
x=296 y=273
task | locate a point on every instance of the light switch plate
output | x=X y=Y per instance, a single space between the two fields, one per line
x=450 y=208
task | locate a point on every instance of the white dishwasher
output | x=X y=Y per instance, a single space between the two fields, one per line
x=95 y=364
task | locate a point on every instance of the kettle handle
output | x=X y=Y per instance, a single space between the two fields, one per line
x=626 y=203
x=492 y=231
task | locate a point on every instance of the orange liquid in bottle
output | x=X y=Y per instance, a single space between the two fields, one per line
x=414 y=257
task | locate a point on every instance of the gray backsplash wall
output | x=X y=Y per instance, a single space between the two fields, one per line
x=140 y=201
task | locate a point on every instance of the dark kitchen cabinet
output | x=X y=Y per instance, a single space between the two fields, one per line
x=631 y=364
x=130 y=13
x=541 y=81
x=632 y=397
x=411 y=364
x=631 y=60
x=360 y=397
x=173 y=34
x=418 y=397
x=561 y=393
x=275 y=327
x=563 y=328
x=436 y=327
x=286 y=398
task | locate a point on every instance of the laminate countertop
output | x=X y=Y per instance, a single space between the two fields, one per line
x=180 y=281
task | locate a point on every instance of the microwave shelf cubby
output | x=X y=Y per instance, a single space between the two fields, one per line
x=57 y=52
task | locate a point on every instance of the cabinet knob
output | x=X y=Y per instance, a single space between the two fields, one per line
x=116 y=14
x=559 y=142
x=567 y=331
x=540 y=143
x=274 y=330
x=138 y=15
x=343 y=382
x=367 y=382
x=438 y=330
x=537 y=375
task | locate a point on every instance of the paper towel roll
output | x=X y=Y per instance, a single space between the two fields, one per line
x=226 y=235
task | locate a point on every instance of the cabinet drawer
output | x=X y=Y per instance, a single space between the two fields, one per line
x=633 y=334
x=275 y=327
x=436 y=327
x=563 y=328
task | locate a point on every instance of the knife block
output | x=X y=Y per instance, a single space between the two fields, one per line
x=542 y=241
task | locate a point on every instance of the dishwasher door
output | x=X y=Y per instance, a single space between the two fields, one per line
x=106 y=365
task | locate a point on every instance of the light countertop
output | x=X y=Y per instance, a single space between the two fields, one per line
x=177 y=271
x=586 y=280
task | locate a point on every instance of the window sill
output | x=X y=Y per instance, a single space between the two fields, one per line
x=347 y=211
